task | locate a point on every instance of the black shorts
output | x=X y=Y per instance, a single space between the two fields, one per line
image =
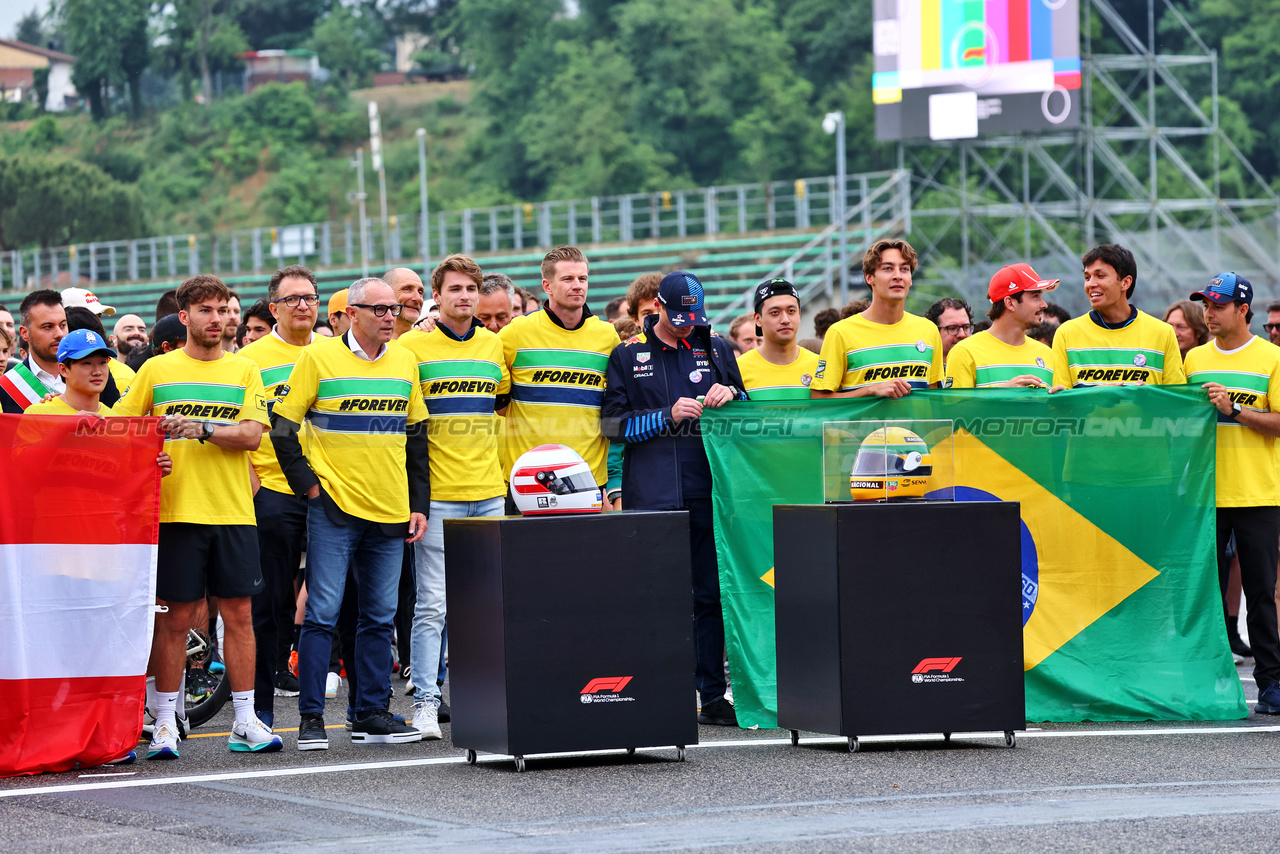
x=220 y=558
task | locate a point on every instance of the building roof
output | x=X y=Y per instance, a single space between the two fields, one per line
x=39 y=51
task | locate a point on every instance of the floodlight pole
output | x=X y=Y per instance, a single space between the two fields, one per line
x=834 y=123
x=359 y=196
x=424 y=238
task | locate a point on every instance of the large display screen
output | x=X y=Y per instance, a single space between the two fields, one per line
x=957 y=69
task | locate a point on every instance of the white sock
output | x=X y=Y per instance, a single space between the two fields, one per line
x=243 y=702
x=167 y=708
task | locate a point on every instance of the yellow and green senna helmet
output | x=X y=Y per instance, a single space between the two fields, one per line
x=892 y=463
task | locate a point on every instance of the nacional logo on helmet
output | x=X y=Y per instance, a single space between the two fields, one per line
x=554 y=480
x=892 y=462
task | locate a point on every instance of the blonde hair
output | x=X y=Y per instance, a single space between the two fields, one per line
x=560 y=253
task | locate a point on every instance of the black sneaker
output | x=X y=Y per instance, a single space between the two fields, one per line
x=287 y=684
x=1268 y=701
x=718 y=713
x=311 y=734
x=443 y=716
x=381 y=727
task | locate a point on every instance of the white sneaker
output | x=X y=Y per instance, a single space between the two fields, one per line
x=332 y=684
x=252 y=736
x=164 y=742
x=426 y=719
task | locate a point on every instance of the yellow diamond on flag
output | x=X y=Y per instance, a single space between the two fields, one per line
x=1083 y=572
x=767 y=578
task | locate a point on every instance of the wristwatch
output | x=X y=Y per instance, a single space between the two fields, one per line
x=1236 y=409
x=208 y=432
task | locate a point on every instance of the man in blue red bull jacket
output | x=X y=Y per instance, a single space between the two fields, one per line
x=656 y=388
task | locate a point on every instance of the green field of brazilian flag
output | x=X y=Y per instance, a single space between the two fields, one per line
x=1122 y=616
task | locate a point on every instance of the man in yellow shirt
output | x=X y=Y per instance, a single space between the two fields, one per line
x=1241 y=374
x=884 y=351
x=1003 y=355
x=282 y=516
x=365 y=475
x=464 y=379
x=557 y=359
x=1114 y=344
x=214 y=413
x=778 y=369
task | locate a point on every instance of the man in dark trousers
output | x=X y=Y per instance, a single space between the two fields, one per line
x=657 y=386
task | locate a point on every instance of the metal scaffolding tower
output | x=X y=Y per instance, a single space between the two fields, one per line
x=1150 y=168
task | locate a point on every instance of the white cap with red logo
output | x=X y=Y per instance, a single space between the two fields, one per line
x=72 y=297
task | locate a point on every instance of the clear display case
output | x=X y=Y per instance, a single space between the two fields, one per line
x=888 y=461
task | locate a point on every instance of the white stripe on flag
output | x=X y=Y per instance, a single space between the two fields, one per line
x=75 y=610
x=24 y=387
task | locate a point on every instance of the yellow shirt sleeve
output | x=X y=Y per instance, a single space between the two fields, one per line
x=417 y=405
x=831 y=363
x=961 y=372
x=504 y=385
x=255 y=397
x=935 y=369
x=1173 y=373
x=304 y=384
x=136 y=400
x=1061 y=370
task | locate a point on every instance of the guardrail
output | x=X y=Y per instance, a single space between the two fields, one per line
x=802 y=204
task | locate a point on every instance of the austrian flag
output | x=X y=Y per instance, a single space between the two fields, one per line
x=79 y=510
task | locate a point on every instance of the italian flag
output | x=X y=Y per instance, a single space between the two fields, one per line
x=23 y=386
x=79 y=510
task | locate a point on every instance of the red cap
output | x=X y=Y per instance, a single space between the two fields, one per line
x=1016 y=279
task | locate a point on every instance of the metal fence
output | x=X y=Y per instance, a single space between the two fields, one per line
x=802 y=204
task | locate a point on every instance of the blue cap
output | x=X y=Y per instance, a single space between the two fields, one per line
x=1226 y=287
x=681 y=295
x=82 y=344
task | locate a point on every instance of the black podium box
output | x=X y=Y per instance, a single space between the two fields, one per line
x=899 y=618
x=570 y=633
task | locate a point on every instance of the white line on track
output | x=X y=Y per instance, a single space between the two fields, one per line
x=706 y=745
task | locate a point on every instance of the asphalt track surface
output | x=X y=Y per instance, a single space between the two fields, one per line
x=1066 y=787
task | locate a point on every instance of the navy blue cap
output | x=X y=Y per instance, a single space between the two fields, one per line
x=681 y=295
x=168 y=328
x=82 y=344
x=1226 y=287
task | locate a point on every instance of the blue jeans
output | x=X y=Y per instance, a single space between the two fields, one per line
x=428 y=571
x=374 y=558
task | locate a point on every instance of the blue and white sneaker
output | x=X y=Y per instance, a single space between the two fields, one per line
x=252 y=737
x=1268 y=701
x=164 y=742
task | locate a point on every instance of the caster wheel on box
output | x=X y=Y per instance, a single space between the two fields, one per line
x=680 y=754
x=854 y=747
x=1010 y=739
x=519 y=764
x=471 y=757
x=795 y=737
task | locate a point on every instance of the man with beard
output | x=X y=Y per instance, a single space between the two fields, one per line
x=129 y=336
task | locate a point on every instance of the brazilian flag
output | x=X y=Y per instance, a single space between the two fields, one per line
x=1122 y=618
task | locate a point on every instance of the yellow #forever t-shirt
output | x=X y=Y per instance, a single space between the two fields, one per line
x=1248 y=470
x=460 y=382
x=766 y=381
x=984 y=361
x=857 y=353
x=209 y=485
x=1144 y=351
x=357 y=414
x=275 y=357
x=58 y=407
x=557 y=386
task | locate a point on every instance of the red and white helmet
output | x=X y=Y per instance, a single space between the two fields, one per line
x=553 y=479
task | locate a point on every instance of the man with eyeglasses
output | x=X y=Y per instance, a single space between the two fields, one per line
x=954 y=319
x=367 y=483
x=1003 y=355
x=1273 y=322
x=282 y=516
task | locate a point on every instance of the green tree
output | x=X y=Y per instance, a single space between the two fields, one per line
x=30 y=29
x=203 y=37
x=51 y=201
x=109 y=40
x=345 y=43
x=279 y=24
x=297 y=194
x=579 y=131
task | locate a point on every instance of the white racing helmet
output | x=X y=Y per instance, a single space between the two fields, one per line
x=552 y=479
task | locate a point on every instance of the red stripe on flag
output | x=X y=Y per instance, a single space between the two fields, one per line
x=1019 y=30
x=11 y=388
x=79 y=480
x=59 y=724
